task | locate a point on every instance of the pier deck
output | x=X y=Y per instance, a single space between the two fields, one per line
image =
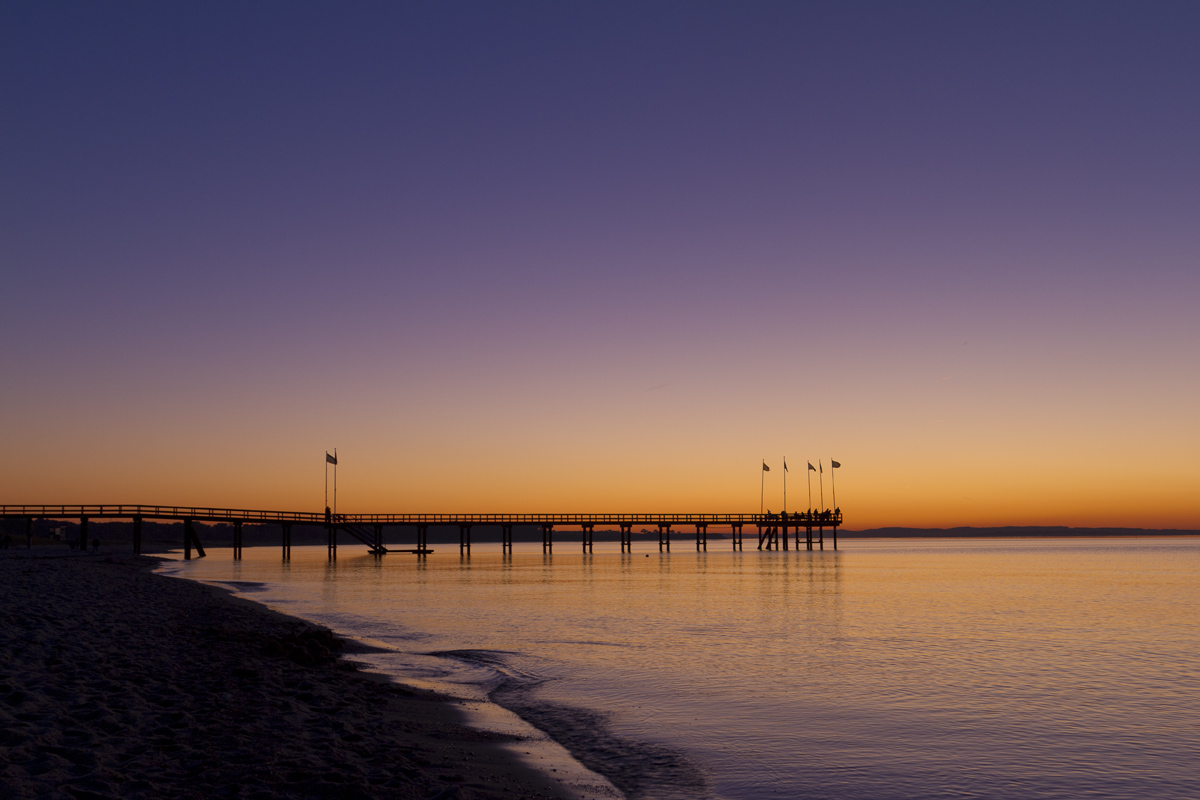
x=773 y=529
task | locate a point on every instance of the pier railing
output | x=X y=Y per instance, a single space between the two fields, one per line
x=207 y=514
x=161 y=512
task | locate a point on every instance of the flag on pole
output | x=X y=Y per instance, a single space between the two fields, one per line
x=820 y=468
x=785 y=469
x=810 y=466
x=765 y=467
x=834 y=464
x=330 y=459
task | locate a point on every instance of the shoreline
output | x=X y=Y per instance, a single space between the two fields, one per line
x=120 y=682
x=572 y=742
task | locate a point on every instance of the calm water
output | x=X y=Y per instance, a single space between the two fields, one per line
x=933 y=669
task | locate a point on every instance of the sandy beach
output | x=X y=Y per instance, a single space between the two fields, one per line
x=118 y=683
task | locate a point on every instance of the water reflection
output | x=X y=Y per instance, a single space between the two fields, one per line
x=882 y=670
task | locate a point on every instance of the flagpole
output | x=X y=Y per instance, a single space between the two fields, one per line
x=326 y=479
x=820 y=482
x=808 y=474
x=335 y=481
x=762 y=486
x=833 y=481
x=785 y=484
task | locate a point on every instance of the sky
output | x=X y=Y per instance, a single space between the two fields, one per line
x=605 y=257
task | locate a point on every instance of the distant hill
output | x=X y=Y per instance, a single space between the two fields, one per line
x=1012 y=530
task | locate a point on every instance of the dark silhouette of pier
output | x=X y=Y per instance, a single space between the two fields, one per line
x=774 y=531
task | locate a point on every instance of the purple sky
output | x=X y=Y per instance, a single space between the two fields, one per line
x=604 y=257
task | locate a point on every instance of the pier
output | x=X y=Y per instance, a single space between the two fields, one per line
x=774 y=531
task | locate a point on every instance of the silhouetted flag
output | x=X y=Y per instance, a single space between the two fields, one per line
x=765 y=467
x=331 y=459
x=834 y=464
x=810 y=466
x=785 y=469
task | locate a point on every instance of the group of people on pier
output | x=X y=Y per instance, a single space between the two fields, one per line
x=806 y=517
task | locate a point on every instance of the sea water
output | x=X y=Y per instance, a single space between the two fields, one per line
x=1019 y=668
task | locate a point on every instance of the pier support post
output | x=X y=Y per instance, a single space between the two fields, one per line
x=464 y=538
x=332 y=529
x=626 y=536
x=783 y=529
x=378 y=548
x=664 y=536
x=286 y=540
x=237 y=539
x=701 y=536
x=588 y=532
x=547 y=538
x=735 y=534
x=506 y=538
x=196 y=541
x=422 y=539
x=189 y=539
x=137 y=536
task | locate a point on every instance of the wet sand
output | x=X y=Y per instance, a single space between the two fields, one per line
x=119 y=683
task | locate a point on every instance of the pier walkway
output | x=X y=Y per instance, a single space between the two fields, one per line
x=772 y=529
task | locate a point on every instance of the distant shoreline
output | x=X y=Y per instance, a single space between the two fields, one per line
x=1014 y=531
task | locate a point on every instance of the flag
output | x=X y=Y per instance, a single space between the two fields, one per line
x=785 y=465
x=820 y=468
x=330 y=459
x=810 y=466
x=765 y=467
x=834 y=464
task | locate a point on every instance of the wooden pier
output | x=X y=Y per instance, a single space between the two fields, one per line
x=774 y=530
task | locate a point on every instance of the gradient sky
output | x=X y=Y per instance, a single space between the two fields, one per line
x=604 y=257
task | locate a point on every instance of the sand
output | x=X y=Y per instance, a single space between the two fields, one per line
x=119 y=683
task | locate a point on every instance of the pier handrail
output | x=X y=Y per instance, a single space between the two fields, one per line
x=827 y=517
x=122 y=511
